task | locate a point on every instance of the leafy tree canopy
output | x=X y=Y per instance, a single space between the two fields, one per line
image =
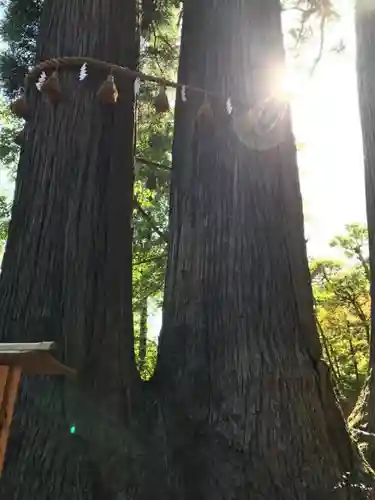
x=342 y=301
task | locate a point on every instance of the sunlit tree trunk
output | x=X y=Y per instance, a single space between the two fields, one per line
x=66 y=273
x=365 y=24
x=363 y=416
x=240 y=357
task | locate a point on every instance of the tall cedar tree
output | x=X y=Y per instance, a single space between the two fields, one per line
x=245 y=391
x=241 y=405
x=363 y=416
x=66 y=273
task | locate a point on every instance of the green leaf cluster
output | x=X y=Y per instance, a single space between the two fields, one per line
x=342 y=302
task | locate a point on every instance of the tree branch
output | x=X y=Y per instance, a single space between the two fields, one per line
x=148 y=217
x=152 y=163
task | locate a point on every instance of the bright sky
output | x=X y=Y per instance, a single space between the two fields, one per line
x=326 y=121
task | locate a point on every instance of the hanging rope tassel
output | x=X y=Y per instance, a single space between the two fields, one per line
x=161 y=102
x=205 y=114
x=20 y=108
x=19 y=139
x=108 y=93
x=51 y=88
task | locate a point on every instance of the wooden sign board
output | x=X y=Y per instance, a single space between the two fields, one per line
x=15 y=359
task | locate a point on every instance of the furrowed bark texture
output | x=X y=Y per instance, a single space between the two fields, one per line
x=66 y=273
x=363 y=416
x=239 y=353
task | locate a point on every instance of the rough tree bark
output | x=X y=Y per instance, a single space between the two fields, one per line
x=245 y=391
x=66 y=273
x=362 y=418
x=241 y=407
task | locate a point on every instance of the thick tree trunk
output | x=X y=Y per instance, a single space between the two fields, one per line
x=363 y=416
x=241 y=406
x=66 y=273
x=250 y=400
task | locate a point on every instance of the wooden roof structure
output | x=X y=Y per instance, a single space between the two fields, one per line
x=15 y=359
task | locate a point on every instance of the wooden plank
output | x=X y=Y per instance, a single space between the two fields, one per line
x=9 y=383
x=15 y=358
x=33 y=358
x=27 y=346
x=36 y=363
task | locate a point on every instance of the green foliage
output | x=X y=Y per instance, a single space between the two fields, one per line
x=309 y=12
x=150 y=362
x=154 y=132
x=18 y=30
x=147 y=368
x=342 y=301
x=152 y=172
x=311 y=19
x=4 y=221
x=355 y=245
x=9 y=151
